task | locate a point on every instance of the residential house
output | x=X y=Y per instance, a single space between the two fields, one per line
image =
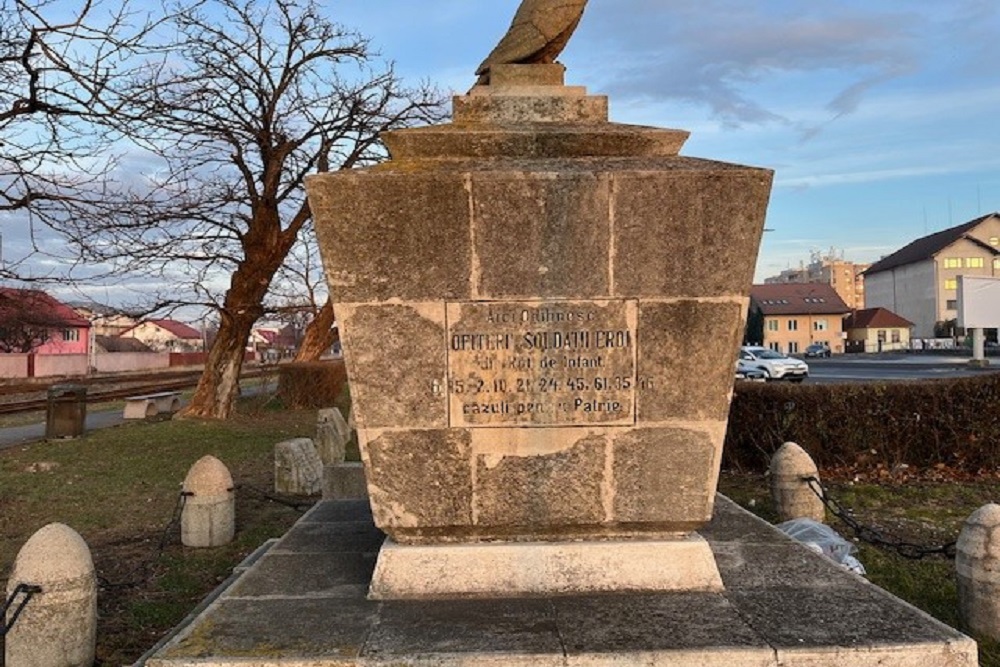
x=104 y=320
x=846 y=277
x=919 y=282
x=167 y=336
x=877 y=330
x=790 y=317
x=33 y=321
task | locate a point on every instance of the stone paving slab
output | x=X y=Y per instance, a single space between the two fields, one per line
x=304 y=604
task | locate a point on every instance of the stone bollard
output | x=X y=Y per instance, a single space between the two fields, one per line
x=58 y=626
x=331 y=441
x=977 y=570
x=298 y=469
x=793 y=499
x=209 y=515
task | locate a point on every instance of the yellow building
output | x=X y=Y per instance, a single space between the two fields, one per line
x=877 y=330
x=790 y=317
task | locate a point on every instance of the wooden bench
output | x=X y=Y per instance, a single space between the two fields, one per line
x=150 y=405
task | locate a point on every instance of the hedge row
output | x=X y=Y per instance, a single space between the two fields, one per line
x=311 y=384
x=952 y=422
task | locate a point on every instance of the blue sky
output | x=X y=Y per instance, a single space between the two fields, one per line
x=879 y=117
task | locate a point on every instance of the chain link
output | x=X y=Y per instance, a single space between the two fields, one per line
x=28 y=591
x=871 y=535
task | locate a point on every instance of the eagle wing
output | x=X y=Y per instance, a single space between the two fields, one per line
x=538 y=33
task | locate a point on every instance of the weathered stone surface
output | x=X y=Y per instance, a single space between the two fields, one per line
x=531 y=490
x=977 y=571
x=797 y=613
x=793 y=498
x=342 y=481
x=542 y=363
x=58 y=627
x=541 y=235
x=636 y=624
x=687 y=352
x=663 y=476
x=418 y=251
x=209 y=515
x=674 y=230
x=517 y=569
x=397 y=364
x=298 y=470
x=420 y=482
x=332 y=436
x=505 y=632
x=560 y=140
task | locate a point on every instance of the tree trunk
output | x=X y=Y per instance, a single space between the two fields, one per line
x=319 y=335
x=219 y=384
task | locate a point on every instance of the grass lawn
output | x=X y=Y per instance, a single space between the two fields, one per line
x=925 y=513
x=118 y=488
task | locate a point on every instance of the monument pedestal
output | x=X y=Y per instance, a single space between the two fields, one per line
x=540 y=312
x=304 y=604
x=532 y=569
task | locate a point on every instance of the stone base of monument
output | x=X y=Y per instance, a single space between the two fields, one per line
x=544 y=568
x=305 y=604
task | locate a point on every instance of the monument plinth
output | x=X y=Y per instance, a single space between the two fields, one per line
x=540 y=312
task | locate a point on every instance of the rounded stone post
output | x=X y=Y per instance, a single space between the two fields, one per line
x=58 y=626
x=209 y=515
x=977 y=570
x=793 y=499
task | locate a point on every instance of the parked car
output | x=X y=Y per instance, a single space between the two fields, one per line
x=744 y=371
x=818 y=350
x=775 y=365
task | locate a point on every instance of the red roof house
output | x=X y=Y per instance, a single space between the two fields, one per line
x=33 y=321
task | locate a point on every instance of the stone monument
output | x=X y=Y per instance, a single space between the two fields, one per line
x=540 y=311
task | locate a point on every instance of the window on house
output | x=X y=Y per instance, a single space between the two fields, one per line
x=973 y=262
x=996 y=263
x=951 y=283
x=995 y=240
x=775 y=346
x=793 y=347
x=71 y=335
x=819 y=325
x=772 y=325
x=881 y=335
x=951 y=304
x=895 y=336
x=793 y=325
x=953 y=263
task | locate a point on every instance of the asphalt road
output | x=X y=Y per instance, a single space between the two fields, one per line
x=903 y=367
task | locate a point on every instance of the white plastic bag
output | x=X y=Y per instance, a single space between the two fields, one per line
x=822 y=539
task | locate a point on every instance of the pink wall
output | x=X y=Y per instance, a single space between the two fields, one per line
x=60 y=364
x=58 y=345
x=13 y=365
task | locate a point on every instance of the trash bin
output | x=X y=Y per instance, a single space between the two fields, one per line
x=67 y=411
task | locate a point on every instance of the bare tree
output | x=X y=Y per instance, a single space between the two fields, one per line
x=58 y=61
x=249 y=99
x=301 y=298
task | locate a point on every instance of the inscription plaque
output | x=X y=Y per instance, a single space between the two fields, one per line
x=542 y=363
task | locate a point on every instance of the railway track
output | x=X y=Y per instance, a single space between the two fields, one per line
x=29 y=397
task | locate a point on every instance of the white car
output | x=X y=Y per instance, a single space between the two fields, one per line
x=775 y=365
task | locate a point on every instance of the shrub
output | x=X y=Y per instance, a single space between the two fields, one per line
x=952 y=422
x=313 y=384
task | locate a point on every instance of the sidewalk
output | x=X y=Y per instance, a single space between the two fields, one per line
x=20 y=435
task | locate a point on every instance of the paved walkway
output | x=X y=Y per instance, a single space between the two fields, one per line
x=19 y=435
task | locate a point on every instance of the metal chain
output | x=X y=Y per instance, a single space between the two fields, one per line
x=873 y=536
x=141 y=573
x=28 y=591
x=297 y=506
